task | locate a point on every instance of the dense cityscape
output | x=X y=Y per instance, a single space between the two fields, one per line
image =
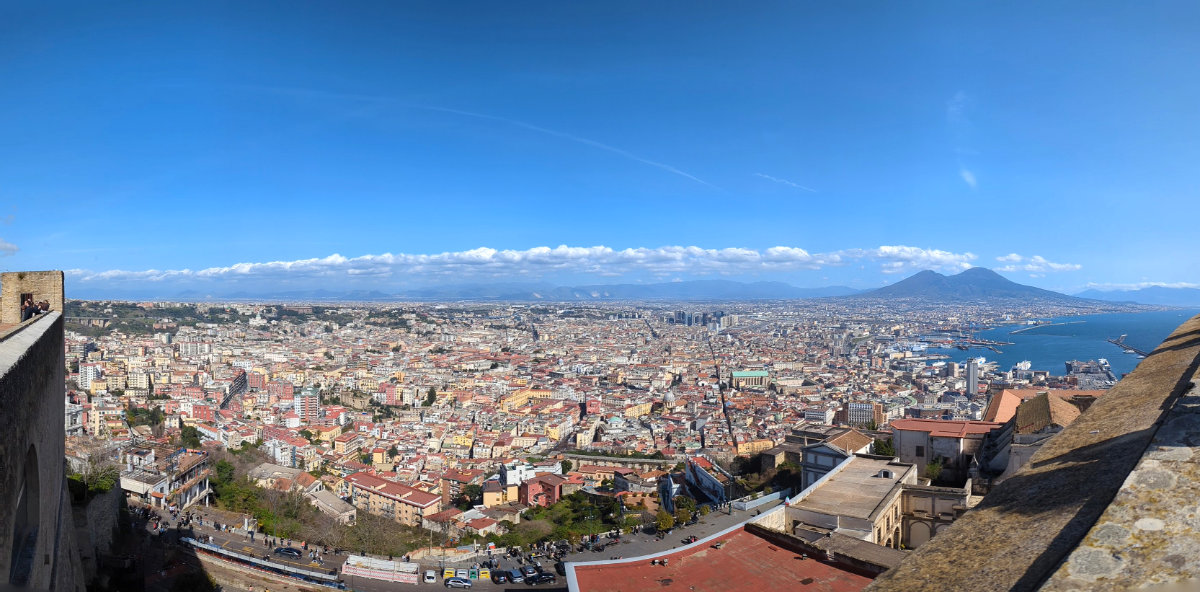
x=599 y=296
x=399 y=440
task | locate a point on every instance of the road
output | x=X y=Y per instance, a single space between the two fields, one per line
x=634 y=545
x=240 y=542
x=631 y=545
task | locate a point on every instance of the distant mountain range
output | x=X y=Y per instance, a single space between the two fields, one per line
x=974 y=284
x=1152 y=295
x=690 y=290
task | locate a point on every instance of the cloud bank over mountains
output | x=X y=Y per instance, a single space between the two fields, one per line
x=600 y=264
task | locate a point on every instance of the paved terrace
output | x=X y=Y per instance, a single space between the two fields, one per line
x=1110 y=503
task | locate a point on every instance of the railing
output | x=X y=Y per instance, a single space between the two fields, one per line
x=750 y=502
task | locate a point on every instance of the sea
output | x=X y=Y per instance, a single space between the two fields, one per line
x=1049 y=347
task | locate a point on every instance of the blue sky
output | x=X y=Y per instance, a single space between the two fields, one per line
x=251 y=146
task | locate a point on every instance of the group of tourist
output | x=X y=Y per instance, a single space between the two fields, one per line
x=29 y=308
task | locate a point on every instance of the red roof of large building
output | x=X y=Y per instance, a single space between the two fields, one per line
x=393 y=490
x=945 y=428
x=744 y=562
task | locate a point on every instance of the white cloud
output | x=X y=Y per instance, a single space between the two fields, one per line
x=485 y=262
x=899 y=258
x=7 y=248
x=1140 y=285
x=968 y=177
x=1034 y=264
x=786 y=182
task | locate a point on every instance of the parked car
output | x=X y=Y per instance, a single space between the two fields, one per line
x=458 y=583
x=288 y=552
x=541 y=578
x=528 y=570
x=499 y=577
x=516 y=577
x=561 y=568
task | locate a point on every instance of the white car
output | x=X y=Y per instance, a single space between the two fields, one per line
x=430 y=576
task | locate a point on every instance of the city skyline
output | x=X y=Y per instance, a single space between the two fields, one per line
x=389 y=147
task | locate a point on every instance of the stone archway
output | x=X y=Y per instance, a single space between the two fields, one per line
x=25 y=521
x=918 y=534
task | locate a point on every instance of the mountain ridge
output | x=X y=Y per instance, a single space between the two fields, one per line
x=693 y=290
x=1158 y=295
x=974 y=284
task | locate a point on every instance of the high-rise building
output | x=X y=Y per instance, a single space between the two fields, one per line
x=972 y=378
x=308 y=405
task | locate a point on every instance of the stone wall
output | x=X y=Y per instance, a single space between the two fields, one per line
x=44 y=285
x=96 y=528
x=35 y=522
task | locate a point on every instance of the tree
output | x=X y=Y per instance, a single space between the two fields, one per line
x=885 y=447
x=664 y=521
x=933 y=469
x=566 y=466
x=472 y=492
x=430 y=397
x=100 y=475
x=682 y=515
x=392 y=452
x=225 y=471
x=307 y=435
x=189 y=436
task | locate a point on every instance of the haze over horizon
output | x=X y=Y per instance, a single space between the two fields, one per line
x=382 y=146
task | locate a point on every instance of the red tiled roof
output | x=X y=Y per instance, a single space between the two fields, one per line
x=945 y=429
x=393 y=490
x=744 y=562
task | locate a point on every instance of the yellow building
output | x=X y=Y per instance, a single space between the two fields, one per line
x=326 y=433
x=394 y=501
x=752 y=447
x=495 y=494
x=638 y=410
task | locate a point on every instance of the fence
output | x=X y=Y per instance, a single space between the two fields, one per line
x=751 y=502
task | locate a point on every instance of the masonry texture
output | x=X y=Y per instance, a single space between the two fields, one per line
x=1123 y=475
x=36 y=539
x=43 y=285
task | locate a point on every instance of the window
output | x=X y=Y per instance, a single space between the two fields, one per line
x=920 y=451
